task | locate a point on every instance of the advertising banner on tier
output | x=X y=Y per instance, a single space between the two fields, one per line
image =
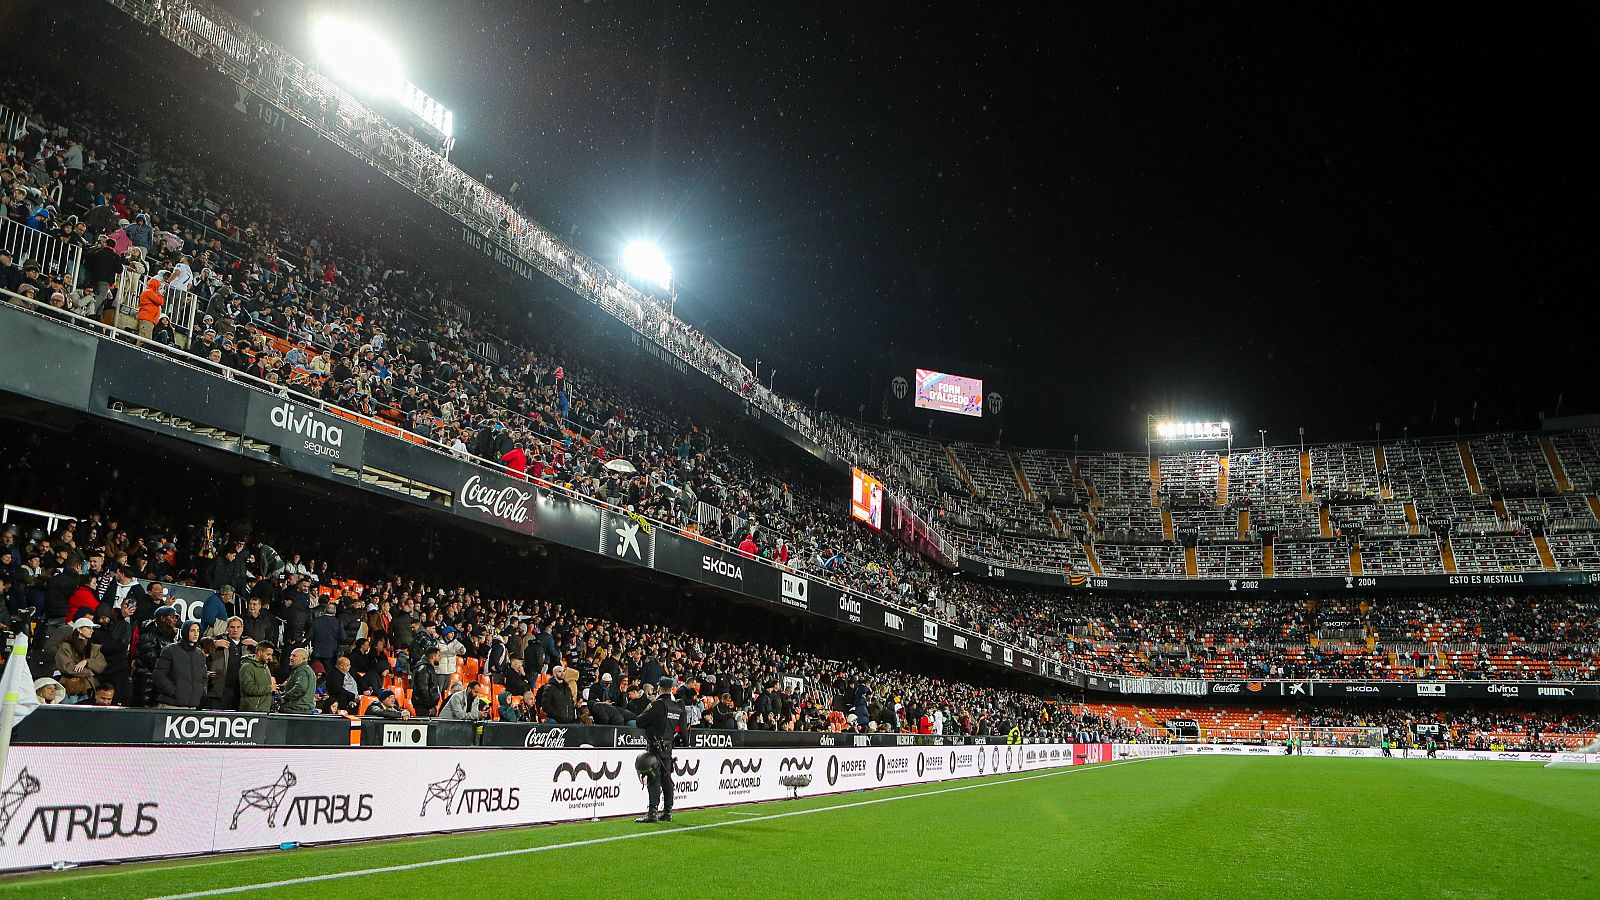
x=307 y=438
x=1376 y=690
x=157 y=802
x=997 y=571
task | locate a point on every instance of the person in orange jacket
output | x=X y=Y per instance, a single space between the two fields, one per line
x=150 y=303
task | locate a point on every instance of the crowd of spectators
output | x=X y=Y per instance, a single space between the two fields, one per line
x=283 y=633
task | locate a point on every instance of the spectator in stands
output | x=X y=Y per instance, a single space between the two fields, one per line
x=155 y=636
x=181 y=671
x=555 y=698
x=326 y=636
x=10 y=275
x=214 y=613
x=79 y=661
x=259 y=624
x=425 y=691
x=388 y=707
x=115 y=637
x=450 y=651
x=256 y=683
x=104 y=695
x=300 y=690
x=467 y=704
x=151 y=302
x=342 y=687
x=48 y=690
x=227 y=657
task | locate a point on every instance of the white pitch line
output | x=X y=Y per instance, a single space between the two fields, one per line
x=636 y=835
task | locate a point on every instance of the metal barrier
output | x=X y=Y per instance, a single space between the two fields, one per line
x=13 y=124
x=31 y=245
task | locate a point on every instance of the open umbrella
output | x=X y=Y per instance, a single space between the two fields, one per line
x=621 y=465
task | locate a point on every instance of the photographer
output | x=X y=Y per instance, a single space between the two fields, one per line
x=660 y=721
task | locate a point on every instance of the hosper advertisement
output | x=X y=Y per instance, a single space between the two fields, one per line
x=156 y=802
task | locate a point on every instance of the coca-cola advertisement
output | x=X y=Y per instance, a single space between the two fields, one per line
x=499 y=501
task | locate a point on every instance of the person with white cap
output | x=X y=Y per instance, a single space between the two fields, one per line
x=80 y=661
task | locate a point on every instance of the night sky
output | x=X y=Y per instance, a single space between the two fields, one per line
x=1273 y=214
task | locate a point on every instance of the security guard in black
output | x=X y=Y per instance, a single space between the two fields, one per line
x=660 y=722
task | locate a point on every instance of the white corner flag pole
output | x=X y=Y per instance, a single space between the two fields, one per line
x=16 y=692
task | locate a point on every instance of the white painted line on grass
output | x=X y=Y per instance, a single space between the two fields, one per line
x=634 y=835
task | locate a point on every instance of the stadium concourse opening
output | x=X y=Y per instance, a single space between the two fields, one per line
x=315 y=437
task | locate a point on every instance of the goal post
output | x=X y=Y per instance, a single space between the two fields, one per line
x=1330 y=736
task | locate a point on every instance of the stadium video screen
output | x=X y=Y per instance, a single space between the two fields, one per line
x=866 y=498
x=949 y=393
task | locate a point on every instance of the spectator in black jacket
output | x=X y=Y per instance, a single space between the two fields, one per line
x=115 y=637
x=155 y=635
x=180 y=672
x=555 y=699
x=102 y=265
x=425 y=684
x=326 y=636
x=259 y=625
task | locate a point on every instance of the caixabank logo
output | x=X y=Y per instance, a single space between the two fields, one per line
x=64 y=823
x=300 y=809
x=449 y=796
x=586 y=785
x=741 y=776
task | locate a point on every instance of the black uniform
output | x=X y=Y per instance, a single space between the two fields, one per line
x=660 y=721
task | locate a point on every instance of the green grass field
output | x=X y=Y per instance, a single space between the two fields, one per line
x=1185 y=827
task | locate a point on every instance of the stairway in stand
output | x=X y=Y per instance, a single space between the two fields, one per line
x=1545 y=556
x=1470 y=467
x=1448 y=555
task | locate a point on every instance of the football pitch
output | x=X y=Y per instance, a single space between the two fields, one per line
x=1268 y=827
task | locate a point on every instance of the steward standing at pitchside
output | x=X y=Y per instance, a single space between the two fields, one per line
x=660 y=721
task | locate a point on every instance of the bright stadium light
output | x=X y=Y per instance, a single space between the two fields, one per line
x=1166 y=430
x=645 y=261
x=358 y=57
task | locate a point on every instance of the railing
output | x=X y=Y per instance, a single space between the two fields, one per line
x=31 y=245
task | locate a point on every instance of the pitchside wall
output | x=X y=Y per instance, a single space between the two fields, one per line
x=161 y=802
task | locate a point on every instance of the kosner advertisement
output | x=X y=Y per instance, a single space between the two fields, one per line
x=152 y=804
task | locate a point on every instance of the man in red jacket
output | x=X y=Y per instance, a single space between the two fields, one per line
x=517 y=461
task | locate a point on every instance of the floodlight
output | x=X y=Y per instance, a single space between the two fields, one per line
x=358 y=57
x=645 y=260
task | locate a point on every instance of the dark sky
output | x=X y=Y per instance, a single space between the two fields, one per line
x=1271 y=213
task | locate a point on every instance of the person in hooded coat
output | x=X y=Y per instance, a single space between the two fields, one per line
x=180 y=676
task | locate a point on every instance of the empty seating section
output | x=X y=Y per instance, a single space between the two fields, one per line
x=1417 y=469
x=1125 y=523
x=1401 y=556
x=1495 y=553
x=1579 y=452
x=1264 y=476
x=1512 y=463
x=1287 y=520
x=1577 y=550
x=1141 y=560
x=990 y=470
x=1459 y=513
x=1118 y=479
x=1379 y=519
x=1561 y=512
x=1228 y=560
x=1032 y=553
x=1190 y=478
x=1343 y=471
x=1311 y=558
x=1210 y=523
x=1050 y=474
